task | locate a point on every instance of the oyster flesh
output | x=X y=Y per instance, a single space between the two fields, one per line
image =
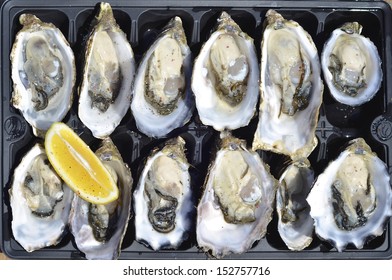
x=351 y=65
x=108 y=73
x=225 y=77
x=43 y=73
x=99 y=229
x=161 y=95
x=295 y=225
x=351 y=200
x=40 y=202
x=291 y=89
x=162 y=200
x=238 y=199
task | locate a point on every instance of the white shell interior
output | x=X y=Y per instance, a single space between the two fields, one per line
x=212 y=110
x=290 y=135
x=102 y=124
x=222 y=238
x=145 y=233
x=79 y=217
x=320 y=197
x=60 y=103
x=373 y=69
x=31 y=231
x=148 y=120
x=299 y=234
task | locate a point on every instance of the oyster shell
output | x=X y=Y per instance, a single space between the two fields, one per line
x=225 y=77
x=162 y=200
x=351 y=65
x=105 y=91
x=352 y=199
x=291 y=89
x=238 y=199
x=295 y=225
x=43 y=73
x=40 y=202
x=162 y=99
x=99 y=229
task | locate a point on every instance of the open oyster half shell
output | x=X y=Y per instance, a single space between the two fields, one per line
x=291 y=89
x=161 y=96
x=43 y=73
x=163 y=203
x=351 y=65
x=237 y=202
x=99 y=230
x=105 y=90
x=295 y=225
x=40 y=202
x=225 y=77
x=351 y=200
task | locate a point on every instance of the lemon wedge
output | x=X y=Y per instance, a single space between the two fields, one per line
x=78 y=166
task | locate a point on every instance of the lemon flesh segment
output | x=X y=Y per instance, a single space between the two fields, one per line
x=78 y=166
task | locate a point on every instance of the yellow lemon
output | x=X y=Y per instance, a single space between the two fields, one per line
x=78 y=166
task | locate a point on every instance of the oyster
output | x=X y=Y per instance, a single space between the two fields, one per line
x=43 y=73
x=162 y=200
x=225 y=77
x=295 y=225
x=162 y=99
x=99 y=229
x=237 y=204
x=352 y=199
x=291 y=89
x=105 y=91
x=351 y=65
x=40 y=202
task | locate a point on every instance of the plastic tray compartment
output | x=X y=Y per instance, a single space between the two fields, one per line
x=142 y=21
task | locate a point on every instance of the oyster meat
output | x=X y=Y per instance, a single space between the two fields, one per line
x=163 y=198
x=351 y=65
x=295 y=225
x=238 y=199
x=100 y=229
x=108 y=73
x=40 y=202
x=225 y=77
x=291 y=89
x=43 y=73
x=351 y=200
x=162 y=100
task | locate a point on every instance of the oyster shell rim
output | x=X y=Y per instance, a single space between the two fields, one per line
x=252 y=95
x=62 y=209
x=30 y=21
x=257 y=228
x=92 y=118
x=367 y=94
x=148 y=121
x=310 y=144
x=357 y=145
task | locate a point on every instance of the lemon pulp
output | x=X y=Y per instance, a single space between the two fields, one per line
x=78 y=166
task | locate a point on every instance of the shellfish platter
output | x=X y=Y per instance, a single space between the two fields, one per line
x=342 y=126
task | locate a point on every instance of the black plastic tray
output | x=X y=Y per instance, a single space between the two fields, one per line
x=141 y=21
